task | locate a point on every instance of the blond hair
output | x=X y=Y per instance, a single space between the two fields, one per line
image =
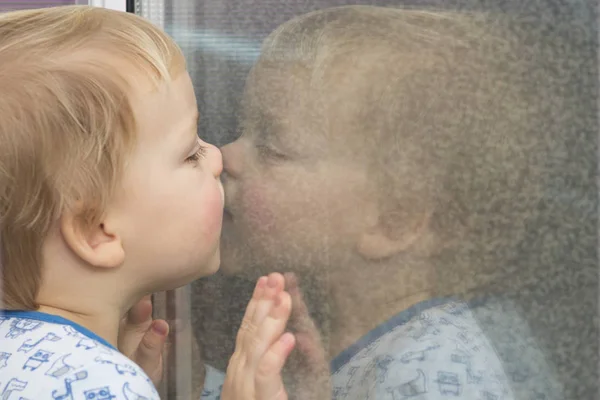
x=66 y=123
x=455 y=112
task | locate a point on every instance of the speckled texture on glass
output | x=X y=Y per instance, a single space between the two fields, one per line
x=552 y=279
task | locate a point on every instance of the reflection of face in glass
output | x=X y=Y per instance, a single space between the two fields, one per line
x=331 y=151
x=458 y=130
x=293 y=197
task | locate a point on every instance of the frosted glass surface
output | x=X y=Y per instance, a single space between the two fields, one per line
x=539 y=288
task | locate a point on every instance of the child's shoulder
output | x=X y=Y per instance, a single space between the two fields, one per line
x=440 y=348
x=432 y=350
x=43 y=356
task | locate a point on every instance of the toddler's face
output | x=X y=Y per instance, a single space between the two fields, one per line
x=295 y=197
x=171 y=203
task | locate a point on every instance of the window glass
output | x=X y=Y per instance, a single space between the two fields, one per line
x=426 y=169
x=6 y=5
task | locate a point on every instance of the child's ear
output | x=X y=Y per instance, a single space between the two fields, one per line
x=97 y=245
x=384 y=241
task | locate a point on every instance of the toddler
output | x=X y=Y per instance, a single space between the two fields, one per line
x=107 y=195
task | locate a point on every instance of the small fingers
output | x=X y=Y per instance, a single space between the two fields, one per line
x=263 y=325
x=246 y=324
x=269 y=385
x=264 y=305
x=300 y=320
x=308 y=337
x=300 y=308
x=272 y=327
x=258 y=293
x=141 y=312
x=134 y=325
x=149 y=354
x=275 y=283
x=310 y=346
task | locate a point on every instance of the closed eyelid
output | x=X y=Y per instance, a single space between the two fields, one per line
x=198 y=144
x=271 y=152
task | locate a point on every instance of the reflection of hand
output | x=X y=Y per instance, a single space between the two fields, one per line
x=262 y=347
x=308 y=366
x=143 y=339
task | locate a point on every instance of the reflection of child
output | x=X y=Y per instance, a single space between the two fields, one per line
x=106 y=195
x=393 y=153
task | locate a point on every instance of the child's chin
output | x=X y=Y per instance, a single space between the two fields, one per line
x=213 y=266
x=197 y=272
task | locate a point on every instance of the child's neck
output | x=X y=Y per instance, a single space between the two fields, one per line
x=103 y=323
x=95 y=299
x=371 y=294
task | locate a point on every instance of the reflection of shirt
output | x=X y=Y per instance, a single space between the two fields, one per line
x=44 y=356
x=438 y=350
x=213 y=383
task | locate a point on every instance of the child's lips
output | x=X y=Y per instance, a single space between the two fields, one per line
x=221 y=190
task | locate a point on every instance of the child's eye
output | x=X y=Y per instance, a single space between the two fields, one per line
x=197 y=156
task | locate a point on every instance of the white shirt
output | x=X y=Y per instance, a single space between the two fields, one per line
x=44 y=356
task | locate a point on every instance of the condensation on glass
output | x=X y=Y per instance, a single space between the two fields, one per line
x=222 y=40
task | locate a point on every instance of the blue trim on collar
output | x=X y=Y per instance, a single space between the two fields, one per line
x=399 y=319
x=55 y=319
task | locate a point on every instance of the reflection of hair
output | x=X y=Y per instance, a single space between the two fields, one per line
x=65 y=122
x=458 y=110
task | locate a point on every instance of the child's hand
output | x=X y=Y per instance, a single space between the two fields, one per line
x=262 y=347
x=143 y=339
x=309 y=365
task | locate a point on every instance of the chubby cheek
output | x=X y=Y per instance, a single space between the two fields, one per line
x=210 y=218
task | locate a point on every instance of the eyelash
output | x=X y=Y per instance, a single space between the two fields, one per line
x=197 y=156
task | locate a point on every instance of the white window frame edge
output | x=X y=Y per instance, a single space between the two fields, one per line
x=119 y=5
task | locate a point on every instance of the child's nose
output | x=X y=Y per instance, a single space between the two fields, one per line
x=216 y=160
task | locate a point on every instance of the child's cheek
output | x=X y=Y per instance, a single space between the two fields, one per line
x=257 y=209
x=213 y=216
